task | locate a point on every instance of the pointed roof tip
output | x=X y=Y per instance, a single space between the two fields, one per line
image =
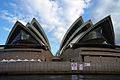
x=80 y=18
x=27 y=24
x=109 y=16
x=18 y=22
x=90 y=21
x=33 y=20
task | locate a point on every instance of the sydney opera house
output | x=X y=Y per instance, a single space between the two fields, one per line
x=26 y=43
x=83 y=42
x=88 y=42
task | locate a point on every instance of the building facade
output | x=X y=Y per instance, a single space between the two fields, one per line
x=83 y=42
x=26 y=43
x=88 y=42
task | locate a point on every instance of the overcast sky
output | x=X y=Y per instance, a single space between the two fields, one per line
x=56 y=16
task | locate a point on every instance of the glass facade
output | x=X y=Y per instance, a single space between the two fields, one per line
x=16 y=38
x=95 y=34
x=23 y=38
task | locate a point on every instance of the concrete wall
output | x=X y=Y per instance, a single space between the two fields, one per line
x=71 y=54
x=31 y=54
x=101 y=59
x=57 y=67
x=90 y=54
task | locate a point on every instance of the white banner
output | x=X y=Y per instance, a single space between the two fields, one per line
x=87 y=64
x=80 y=66
x=74 y=66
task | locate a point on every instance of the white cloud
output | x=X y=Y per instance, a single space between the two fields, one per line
x=13 y=5
x=7 y=16
x=58 y=33
x=11 y=17
x=6 y=29
x=109 y=7
x=55 y=15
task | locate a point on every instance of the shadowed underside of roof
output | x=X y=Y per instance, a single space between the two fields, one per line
x=38 y=27
x=71 y=30
x=101 y=32
x=18 y=29
x=79 y=31
x=106 y=30
x=29 y=34
x=36 y=33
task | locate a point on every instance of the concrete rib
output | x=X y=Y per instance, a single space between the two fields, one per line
x=70 y=28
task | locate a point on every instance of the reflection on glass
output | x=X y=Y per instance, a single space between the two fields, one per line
x=24 y=38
